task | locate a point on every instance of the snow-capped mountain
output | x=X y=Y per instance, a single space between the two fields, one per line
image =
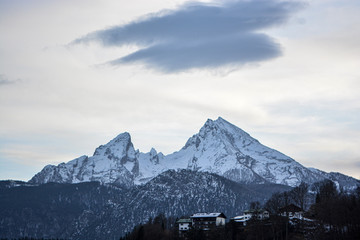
x=116 y=162
x=219 y=147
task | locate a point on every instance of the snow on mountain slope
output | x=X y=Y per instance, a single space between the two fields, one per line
x=151 y=164
x=225 y=149
x=115 y=162
x=219 y=147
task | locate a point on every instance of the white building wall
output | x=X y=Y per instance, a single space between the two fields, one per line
x=184 y=226
x=220 y=221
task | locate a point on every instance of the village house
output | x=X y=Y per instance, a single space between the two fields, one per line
x=291 y=211
x=184 y=225
x=259 y=214
x=206 y=221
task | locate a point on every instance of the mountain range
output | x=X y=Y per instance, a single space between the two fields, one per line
x=220 y=169
x=219 y=147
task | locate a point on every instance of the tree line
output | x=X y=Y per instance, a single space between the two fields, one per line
x=31 y=238
x=331 y=214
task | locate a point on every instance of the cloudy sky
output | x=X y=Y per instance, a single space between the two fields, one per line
x=76 y=73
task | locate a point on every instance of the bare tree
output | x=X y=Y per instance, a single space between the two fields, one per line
x=298 y=195
x=275 y=203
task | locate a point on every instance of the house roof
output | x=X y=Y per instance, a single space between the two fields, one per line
x=291 y=208
x=207 y=215
x=184 y=220
x=240 y=218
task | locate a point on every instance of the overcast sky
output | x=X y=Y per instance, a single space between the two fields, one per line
x=76 y=73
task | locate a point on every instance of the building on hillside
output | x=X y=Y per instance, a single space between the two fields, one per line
x=206 y=221
x=242 y=219
x=259 y=214
x=292 y=211
x=184 y=225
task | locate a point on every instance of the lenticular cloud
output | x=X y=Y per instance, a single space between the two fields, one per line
x=200 y=35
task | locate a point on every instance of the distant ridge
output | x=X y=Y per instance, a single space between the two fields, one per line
x=91 y=210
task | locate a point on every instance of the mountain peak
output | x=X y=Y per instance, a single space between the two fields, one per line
x=218 y=121
x=118 y=145
x=222 y=127
x=219 y=130
x=122 y=137
x=216 y=124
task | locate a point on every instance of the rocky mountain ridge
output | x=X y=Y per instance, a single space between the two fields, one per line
x=219 y=147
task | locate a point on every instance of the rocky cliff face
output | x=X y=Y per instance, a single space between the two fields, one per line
x=219 y=147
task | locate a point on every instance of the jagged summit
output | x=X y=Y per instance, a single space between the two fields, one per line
x=219 y=129
x=221 y=124
x=121 y=138
x=114 y=162
x=225 y=131
x=119 y=146
x=219 y=147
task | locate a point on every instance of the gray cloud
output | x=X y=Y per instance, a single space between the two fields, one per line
x=4 y=80
x=200 y=35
